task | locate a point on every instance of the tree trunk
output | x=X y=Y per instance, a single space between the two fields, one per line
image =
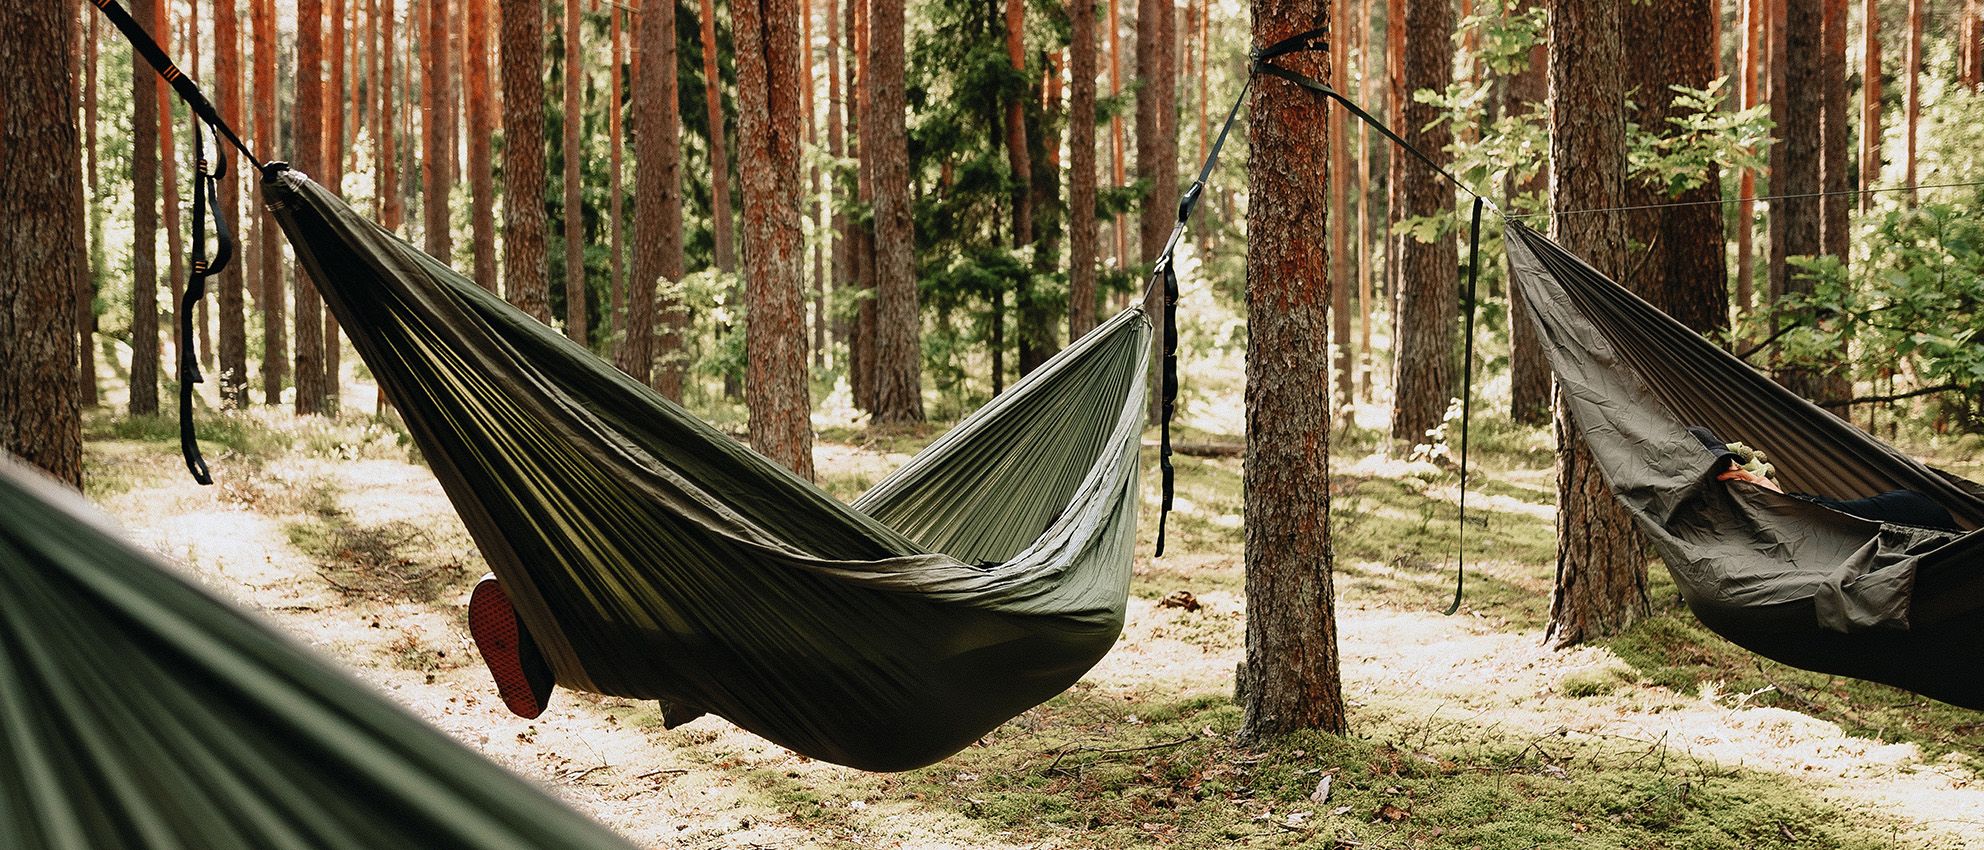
x=898 y=349
x=1754 y=12
x=1020 y=163
x=771 y=134
x=227 y=99
x=1120 y=227
x=526 y=275
x=273 y=297
x=1529 y=372
x=1157 y=143
x=572 y=218
x=308 y=152
x=42 y=250
x=1037 y=325
x=838 y=187
x=1424 y=372
x=86 y=294
x=1798 y=105
x=1911 y=69
x=1835 y=158
x=188 y=28
x=333 y=166
x=816 y=247
x=1082 y=226
x=657 y=208
x=144 y=225
x=1364 y=180
x=1870 y=100
x=1601 y=563
x=1684 y=271
x=436 y=149
x=864 y=250
x=1290 y=679
x=616 y=313
x=481 y=135
x=168 y=154
x=387 y=186
x=722 y=223
x=1342 y=374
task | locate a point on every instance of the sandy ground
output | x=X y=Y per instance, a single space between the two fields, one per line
x=1448 y=678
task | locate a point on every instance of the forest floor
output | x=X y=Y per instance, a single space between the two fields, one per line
x=1467 y=731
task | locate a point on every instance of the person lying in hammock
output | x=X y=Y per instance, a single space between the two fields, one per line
x=1905 y=507
x=523 y=677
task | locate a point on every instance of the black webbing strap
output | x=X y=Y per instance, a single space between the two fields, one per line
x=206 y=209
x=1164 y=279
x=1317 y=40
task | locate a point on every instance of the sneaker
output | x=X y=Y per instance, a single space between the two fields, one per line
x=523 y=678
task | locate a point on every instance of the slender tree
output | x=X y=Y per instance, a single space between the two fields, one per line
x=1911 y=69
x=864 y=231
x=817 y=246
x=144 y=226
x=525 y=270
x=1835 y=158
x=273 y=298
x=42 y=250
x=387 y=185
x=1424 y=370
x=838 y=186
x=1157 y=137
x=616 y=316
x=1082 y=226
x=657 y=207
x=89 y=396
x=1684 y=270
x=1754 y=12
x=227 y=98
x=481 y=114
x=723 y=223
x=770 y=137
x=1870 y=99
x=1798 y=106
x=898 y=349
x=168 y=154
x=572 y=220
x=333 y=166
x=1290 y=680
x=435 y=149
x=1020 y=161
x=1529 y=373
x=1367 y=356
x=308 y=156
x=1343 y=376
x=1601 y=564
x=1120 y=227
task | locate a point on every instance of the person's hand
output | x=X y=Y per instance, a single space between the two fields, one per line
x=1737 y=473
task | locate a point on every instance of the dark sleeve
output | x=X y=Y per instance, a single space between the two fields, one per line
x=1906 y=507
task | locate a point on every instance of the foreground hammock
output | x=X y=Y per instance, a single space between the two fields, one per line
x=1781 y=576
x=138 y=711
x=653 y=557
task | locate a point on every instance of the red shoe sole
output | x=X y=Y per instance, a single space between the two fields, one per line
x=492 y=622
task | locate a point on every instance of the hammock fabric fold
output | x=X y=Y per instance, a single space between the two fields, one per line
x=656 y=558
x=138 y=711
x=1782 y=576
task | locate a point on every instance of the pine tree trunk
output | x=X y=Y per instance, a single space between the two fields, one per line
x=1870 y=100
x=657 y=210
x=274 y=296
x=1799 y=105
x=1120 y=227
x=898 y=349
x=90 y=396
x=436 y=153
x=1684 y=271
x=1290 y=679
x=1424 y=369
x=864 y=249
x=1342 y=374
x=1157 y=142
x=839 y=188
x=771 y=135
x=1911 y=69
x=334 y=173
x=308 y=156
x=481 y=136
x=1754 y=12
x=1601 y=561
x=168 y=154
x=816 y=248
x=616 y=313
x=526 y=274
x=1020 y=163
x=723 y=223
x=572 y=218
x=387 y=187
x=1038 y=338
x=144 y=225
x=1364 y=180
x=1083 y=230
x=227 y=99
x=1835 y=160
x=1529 y=372
x=42 y=249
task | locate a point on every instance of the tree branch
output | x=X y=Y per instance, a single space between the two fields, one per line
x=1882 y=399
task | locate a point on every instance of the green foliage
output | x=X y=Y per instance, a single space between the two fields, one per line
x=1699 y=142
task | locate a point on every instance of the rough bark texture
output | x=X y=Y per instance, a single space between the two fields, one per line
x=1290 y=680
x=1835 y=154
x=898 y=347
x=1364 y=180
x=1529 y=372
x=333 y=167
x=1423 y=374
x=771 y=135
x=526 y=274
x=273 y=297
x=1601 y=562
x=233 y=378
x=1082 y=226
x=723 y=223
x=816 y=248
x=1019 y=161
x=1870 y=99
x=1342 y=373
x=42 y=248
x=1911 y=70
x=436 y=149
x=616 y=315
x=864 y=232
x=1798 y=105
x=838 y=187
x=657 y=210
x=1157 y=141
x=308 y=156
x=481 y=109
x=1684 y=270
x=572 y=219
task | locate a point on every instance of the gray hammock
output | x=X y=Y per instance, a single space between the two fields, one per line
x=1782 y=576
x=138 y=711
x=653 y=557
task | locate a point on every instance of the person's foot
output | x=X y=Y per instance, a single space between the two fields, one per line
x=523 y=679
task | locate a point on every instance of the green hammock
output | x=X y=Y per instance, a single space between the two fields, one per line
x=1785 y=577
x=653 y=557
x=138 y=711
